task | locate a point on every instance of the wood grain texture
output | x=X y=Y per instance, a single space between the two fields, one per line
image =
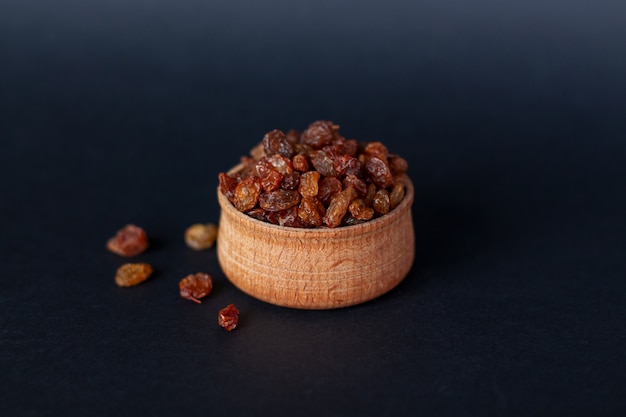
x=316 y=268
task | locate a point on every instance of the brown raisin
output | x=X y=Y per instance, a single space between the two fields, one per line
x=257 y=213
x=369 y=196
x=129 y=275
x=319 y=134
x=323 y=163
x=279 y=200
x=247 y=193
x=196 y=286
x=228 y=317
x=328 y=188
x=228 y=183
x=291 y=181
x=357 y=183
x=376 y=149
x=397 y=165
x=360 y=211
x=293 y=136
x=280 y=163
x=346 y=147
x=201 y=236
x=379 y=172
x=381 y=201
x=311 y=211
x=300 y=163
x=290 y=218
x=129 y=241
x=338 y=207
x=275 y=142
x=309 y=184
x=396 y=195
x=347 y=165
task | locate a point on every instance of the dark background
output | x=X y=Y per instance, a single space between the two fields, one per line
x=511 y=114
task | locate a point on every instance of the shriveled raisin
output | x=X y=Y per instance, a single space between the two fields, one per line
x=247 y=193
x=279 y=200
x=311 y=211
x=300 y=163
x=396 y=195
x=275 y=142
x=201 y=236
x=319 y=134
x=360 y=211
x=129 y=241
x=290 y=218
x=379 y=172
x=346 y=147
x=357 y=183
x=271 y=179
x=257 y=213
x=347 y=165
x=280 y=163
x=228 y=317
x=338 y=207
x=323 y=163
x=309 y=184
x=291 y=181
x=328 y=188
x=376 y=149
x=293 y=136
x=129 y=275
x=381 y=201
x=228 y=183
x=397 y=165
x=196 y=286
x=369 y=196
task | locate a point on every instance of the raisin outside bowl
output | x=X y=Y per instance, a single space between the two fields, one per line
x=320 y=268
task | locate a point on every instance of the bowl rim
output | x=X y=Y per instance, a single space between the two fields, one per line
x=351 y=230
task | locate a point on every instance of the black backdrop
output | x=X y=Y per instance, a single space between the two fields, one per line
x=511 y=114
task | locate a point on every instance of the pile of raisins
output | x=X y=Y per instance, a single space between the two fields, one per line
x=316 y=179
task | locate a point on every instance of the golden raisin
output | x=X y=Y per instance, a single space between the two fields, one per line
x=129 y=275
x=129 y=241
x=196 y=286
x=201 y=236
x=381 y=201
x=228 y=317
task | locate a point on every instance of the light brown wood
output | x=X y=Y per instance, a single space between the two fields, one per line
x=316 y=268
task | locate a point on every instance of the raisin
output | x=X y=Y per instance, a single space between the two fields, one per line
x=196 y=286
x=311 y=211
x=293 y=136
x=338 y=207
x=129 y=275
x=397 y=165
x=357 y=183
x=381 y=201
x=228 y=184
x=275 y=142
x=319 y=134
x=323 y=163
x=201 y=236
x=328 y=188
x=278 y=162
x=257 y=213
x=300 y=163
x=396 y=195
x=376 y=149
x=346 y=147
x=379 y=172
x=369 y=196
x=279 y=200
x=247 y=193
x=360 y=211
x=228 y=317
x=291 y=181
x=347 y=165
x=271 y=180
x=129 y=241
x=309 y=184
x=349 y=220
x=290 y=218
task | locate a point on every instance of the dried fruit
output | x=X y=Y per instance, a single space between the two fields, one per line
x=129 y=275
x=357 y=183
x=338 y=207
x=129 y=241
x=291 y=181
x=309 y=186
x=201 y=236
x=319 y=134
x=379 y=172
x=360 y=211
x=323 y=163
x=311 y=211
x=397 y=195
x=279 y=200
x=228 y=317
x=196 y=286
x=275 y=142
x=247 y=193
x=328 y=188
x=300 y=163
x=381 y=202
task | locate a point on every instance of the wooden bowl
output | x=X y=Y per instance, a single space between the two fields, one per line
x=319 y=268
